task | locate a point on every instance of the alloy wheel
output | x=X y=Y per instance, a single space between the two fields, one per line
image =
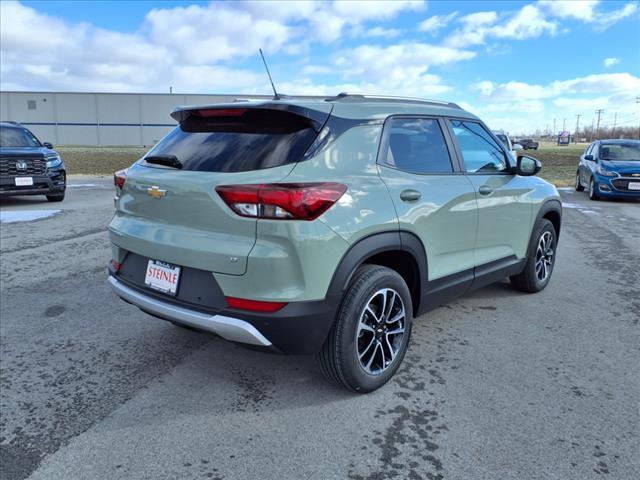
x=544 y=256
x=381 y=330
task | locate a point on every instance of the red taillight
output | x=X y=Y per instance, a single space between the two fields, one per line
x=282 y=201
x=255 y=305
x=119 y=178
x=222 y=112
x=116 y=266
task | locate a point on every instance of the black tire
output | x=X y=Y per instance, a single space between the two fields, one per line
x=58 y=197
x=579 y=187
x=529 y=280
x=339 y=358
x=593 y=194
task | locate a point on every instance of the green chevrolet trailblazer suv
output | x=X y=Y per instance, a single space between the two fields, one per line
x=326 y=226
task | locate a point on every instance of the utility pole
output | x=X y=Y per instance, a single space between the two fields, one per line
x=599 y=112
x=637 y=102
x=593 y=122
x=615 y=120
x=577 y=128
x=554 y=127
x=564 y=124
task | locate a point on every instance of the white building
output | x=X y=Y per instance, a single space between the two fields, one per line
x=129 y=119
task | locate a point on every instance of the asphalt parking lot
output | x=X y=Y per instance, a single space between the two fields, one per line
x=497 y=385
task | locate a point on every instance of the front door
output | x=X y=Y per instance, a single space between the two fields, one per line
x=504 y=208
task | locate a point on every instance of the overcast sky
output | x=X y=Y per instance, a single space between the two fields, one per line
x=518 y=65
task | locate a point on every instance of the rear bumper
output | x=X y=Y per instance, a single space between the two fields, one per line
x=53 y=182
x=299 y=328
x=232 y=329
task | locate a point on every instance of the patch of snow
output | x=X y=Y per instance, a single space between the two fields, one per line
x=26 y=215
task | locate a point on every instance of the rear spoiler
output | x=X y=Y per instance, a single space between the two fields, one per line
x=318 y=115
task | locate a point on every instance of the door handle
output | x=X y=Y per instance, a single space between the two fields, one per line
x=485 y=190
x=410 y=195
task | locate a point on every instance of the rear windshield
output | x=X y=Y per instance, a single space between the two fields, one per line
x=17 y=137
x=620 y=151
x=255 y=140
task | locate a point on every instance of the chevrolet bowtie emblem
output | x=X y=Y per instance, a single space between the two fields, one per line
x=156 y=192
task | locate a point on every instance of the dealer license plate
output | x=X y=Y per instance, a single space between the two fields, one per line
x=24 y=181
x=634 y=185
x=162 y=276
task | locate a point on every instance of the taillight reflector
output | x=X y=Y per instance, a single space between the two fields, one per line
x=255 y=305
x=116 y=265
x=282 y=201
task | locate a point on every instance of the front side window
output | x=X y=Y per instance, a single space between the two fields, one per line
x=417 y=145
x=480 y=152
x=17 y=137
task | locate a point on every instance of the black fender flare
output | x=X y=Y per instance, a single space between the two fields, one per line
x=376 y=243
x=552 y=205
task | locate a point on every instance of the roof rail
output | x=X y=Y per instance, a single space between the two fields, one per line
x=359 y=97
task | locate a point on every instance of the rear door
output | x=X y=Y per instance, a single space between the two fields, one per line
x=504 y=207
x=175 y=215
x=432 y=198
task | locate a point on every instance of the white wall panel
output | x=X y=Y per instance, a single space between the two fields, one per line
x=99 y=118
x=118 y=109
x=125 y=135
x=77 y=135
x=76 y=108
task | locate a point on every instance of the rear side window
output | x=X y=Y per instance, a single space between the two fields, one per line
x=253 y=140
x=481 y=153
x=417 y=145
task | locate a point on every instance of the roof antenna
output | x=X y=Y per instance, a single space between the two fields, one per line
x=275 y=96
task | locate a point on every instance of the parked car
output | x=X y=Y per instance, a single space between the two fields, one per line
x=326 y=226
x=610 y=168
x=29 y=167
x=506 y=141
x=528 y=144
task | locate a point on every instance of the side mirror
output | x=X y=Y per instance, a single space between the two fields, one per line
x=47 y=145
x=527 y=166
x=589 y=158
x=517 y=146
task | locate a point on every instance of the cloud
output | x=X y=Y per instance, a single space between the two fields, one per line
x=587 y=11
x=528 y=22
x=197 y=47
x=380 y=32
x=520 y=106
x=435 y=23
x=611 y=61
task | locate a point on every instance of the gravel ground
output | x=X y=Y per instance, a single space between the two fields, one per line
x=497 y=384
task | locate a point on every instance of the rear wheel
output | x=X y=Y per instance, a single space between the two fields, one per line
x=58 y=197
x=579 y=187
x=540 y=259
x=370 y=336
x=593 y=190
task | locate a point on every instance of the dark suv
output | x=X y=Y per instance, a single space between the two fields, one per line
x=528 y=143
x=27 y=166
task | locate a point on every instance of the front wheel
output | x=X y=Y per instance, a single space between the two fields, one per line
x=540 y=259
x=370 y=336
x=593 y=190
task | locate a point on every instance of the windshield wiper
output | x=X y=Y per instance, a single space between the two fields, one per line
x=167 y=160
